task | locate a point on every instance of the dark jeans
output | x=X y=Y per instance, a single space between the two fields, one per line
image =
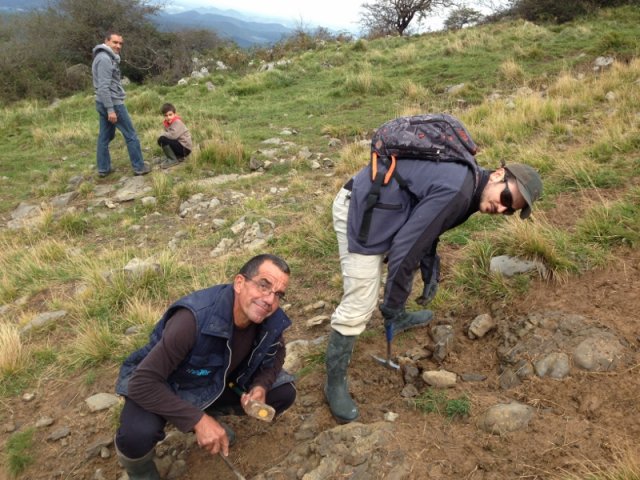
x=175 y=145
x=140 y=429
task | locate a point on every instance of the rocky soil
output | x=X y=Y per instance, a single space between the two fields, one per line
x=552 y=379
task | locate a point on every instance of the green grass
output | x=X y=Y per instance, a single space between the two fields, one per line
x=437 y=401
x=18 y=451
x=585 y=144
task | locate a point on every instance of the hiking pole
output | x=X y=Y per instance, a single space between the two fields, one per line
x=237 y=473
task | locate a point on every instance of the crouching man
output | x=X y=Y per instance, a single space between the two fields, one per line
x=207 y=349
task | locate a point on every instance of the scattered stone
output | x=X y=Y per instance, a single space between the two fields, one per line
x=390 y=416
x=137 y=268
x=503 y=418
x=132 y=189
x=314 y=306
x=317 y=320
x=554 y=365
x=439 y=378
x=297 y=350
x=409 y=391
x=149 y=201
x=44 y=422
x=58 y=434
x=27 y=397
x=444 y=339
x=63 y=200
x=101 y=401
x=510 y=266
x=96 y=447
x=9 y=427
x=472 y=377
x=105 y=453
x=599 y=353
x=42 y=320
x=480 y=326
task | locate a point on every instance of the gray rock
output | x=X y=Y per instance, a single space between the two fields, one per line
x=480 y=326
x=61 y=201
x=598 y=353
x=473 y=377
x=510 y=266
x=59 y=434
x=101 y=401
x=42 y=320
x=554 y=365
x=43 y=422
x=96 y=447
x=503 y=418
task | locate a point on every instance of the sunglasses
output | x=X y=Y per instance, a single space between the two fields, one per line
x=506 y=198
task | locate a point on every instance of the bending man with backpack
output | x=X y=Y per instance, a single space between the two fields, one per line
x=422 y=181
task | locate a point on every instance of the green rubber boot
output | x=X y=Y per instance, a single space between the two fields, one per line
x=171 y=159
x=143 y=468
x=336 y=390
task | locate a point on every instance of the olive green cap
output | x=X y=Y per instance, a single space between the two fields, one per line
x=529 y=185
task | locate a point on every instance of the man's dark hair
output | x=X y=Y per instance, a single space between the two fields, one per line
x=250 y=269
x=167 y=107
x=110 y=33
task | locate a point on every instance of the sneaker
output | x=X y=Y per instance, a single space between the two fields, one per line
x=146 y=169
x=169 y=162
x=104 y=174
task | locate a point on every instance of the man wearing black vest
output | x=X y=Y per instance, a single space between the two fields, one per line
x=402 y=229
x=207 y=349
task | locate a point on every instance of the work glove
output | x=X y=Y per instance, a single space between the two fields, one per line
x=399 y=320
x=430 y=270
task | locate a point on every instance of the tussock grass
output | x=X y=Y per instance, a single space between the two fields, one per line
x=413 y=92
x=353 y=157
x=13 y=354
x=94 y=344
x=366 y=82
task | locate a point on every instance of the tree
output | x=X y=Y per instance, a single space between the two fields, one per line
x=389 y=17
x=461 y=17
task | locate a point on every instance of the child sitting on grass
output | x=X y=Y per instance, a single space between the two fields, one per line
x=176 y=140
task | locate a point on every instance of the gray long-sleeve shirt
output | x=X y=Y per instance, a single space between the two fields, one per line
x=107 y=82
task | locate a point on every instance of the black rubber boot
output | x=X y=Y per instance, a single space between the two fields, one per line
x=143 y=468
x=336 y=390
x=171 y=159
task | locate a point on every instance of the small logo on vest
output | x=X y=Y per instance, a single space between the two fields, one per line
x=202 y=372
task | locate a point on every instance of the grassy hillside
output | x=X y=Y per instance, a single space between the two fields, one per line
x=527 y=93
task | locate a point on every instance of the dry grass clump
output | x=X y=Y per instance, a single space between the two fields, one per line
x=13 y=354
x=511 y=72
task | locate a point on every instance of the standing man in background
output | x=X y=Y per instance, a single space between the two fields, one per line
x=112 y=113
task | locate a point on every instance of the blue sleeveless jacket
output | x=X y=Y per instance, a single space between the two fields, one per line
x=201 y=377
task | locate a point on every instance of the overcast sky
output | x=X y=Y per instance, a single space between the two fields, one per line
x=335 y=14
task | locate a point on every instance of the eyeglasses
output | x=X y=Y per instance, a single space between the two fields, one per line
x=265 y=288
x=506 y=198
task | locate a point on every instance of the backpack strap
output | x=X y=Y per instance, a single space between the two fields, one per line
x=378 y=180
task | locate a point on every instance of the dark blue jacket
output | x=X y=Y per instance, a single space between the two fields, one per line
x=200 y=378
x=407 y=223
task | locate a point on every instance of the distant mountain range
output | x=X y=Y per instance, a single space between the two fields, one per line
x=244 y=33
x=228 y=24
